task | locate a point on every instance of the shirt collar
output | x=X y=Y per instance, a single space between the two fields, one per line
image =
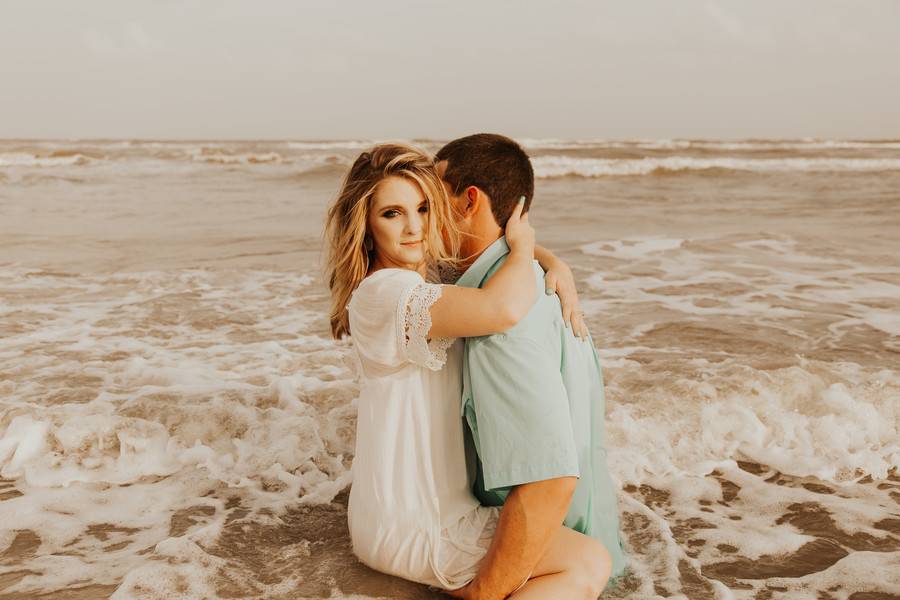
x=477 y=271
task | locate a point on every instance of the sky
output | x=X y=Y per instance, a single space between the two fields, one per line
x=386 y=69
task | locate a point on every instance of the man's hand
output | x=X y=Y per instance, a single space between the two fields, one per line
x=519 y=232
x=559 y=280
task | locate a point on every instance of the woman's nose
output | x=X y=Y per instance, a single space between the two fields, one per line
x=415 y=224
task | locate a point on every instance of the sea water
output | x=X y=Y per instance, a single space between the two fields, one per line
x=176 y=421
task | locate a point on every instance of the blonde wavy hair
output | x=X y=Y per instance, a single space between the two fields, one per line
x=348 y=261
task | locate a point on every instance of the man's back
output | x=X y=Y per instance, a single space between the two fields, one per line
x=534 y=404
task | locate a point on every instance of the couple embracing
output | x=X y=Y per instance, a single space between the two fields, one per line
x=480 y=464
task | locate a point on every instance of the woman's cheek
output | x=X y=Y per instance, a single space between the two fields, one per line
x=384 y=233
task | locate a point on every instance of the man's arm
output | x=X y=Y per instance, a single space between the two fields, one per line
x=531 y=515
x=517 y=409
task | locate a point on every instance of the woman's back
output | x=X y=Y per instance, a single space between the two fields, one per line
x=409 y=472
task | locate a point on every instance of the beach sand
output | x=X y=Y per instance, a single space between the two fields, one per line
x=176 y=422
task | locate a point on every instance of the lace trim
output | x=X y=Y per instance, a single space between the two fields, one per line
x=416 y=323
x=444 y=273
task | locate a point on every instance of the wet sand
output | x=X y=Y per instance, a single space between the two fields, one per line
x=175 y=420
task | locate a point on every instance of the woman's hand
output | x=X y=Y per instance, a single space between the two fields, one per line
x=506 y=297
x=559 y=280
x=519 y=233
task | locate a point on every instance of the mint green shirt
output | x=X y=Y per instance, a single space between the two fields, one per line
x=534 y=404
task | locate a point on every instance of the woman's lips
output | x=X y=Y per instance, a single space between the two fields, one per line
x=416 y=243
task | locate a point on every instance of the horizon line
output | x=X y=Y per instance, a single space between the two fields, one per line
x=441 y=139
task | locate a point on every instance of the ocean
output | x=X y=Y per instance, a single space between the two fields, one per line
x=176 y=421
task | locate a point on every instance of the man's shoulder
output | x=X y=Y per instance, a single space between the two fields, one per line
x=546 y=309
x=545 y=314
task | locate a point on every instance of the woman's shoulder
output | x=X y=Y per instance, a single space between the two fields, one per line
x=383 y=286
x=393 y=274
x=374 y=315
x=382 y=279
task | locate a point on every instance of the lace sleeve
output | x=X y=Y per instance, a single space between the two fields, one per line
x=416 y=322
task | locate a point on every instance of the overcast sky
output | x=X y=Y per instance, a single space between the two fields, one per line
x=291 y=69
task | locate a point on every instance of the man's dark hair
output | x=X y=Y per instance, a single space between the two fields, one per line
x=494 y=164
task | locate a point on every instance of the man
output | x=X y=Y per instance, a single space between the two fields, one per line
x=533 y=398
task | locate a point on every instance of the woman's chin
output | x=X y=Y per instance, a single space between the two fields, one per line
x=412 y=256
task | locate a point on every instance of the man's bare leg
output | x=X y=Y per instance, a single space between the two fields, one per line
x=574 y=566
x=530 y=518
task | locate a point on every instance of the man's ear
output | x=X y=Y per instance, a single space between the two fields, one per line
x=472 y=201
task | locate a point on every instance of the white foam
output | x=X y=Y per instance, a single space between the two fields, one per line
x=789 y=419
x=337 y=145
x=116 y=438
x=242 y=159
x=793 y=419
x=189 y=572
x=21 y=159
x=859 y=572
x=634 y=247
x=566 y=166
x=785 y=275
x=682 y=144
x=131 y=396
x=256 y=405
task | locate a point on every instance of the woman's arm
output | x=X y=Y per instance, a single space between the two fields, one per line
x=503 y=301
x=546 y=258
x=559 y=280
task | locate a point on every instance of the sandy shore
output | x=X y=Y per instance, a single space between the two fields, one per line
x=176 y=422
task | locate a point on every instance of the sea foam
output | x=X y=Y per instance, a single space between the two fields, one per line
x=567 y=166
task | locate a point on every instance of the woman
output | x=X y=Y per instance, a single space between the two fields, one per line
x=411 y=512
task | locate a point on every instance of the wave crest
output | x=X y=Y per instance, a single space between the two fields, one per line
x=237 y=159
x=54 y=159
x=564 y=166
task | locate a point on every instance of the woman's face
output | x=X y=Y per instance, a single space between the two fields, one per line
x=398 y=221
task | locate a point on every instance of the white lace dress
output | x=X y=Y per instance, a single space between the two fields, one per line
x=411 y=511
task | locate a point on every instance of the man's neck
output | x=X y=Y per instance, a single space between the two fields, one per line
x=476 y=247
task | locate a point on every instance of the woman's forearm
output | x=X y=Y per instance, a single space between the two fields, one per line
x=545 y=258
x=511 y=290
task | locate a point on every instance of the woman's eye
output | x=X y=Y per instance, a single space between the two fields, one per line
x=423 y=209
x=390 y=214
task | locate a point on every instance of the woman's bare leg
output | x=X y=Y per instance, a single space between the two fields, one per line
x=574 y=566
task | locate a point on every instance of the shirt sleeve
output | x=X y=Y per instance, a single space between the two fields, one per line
x=517 y=408
x=390 y=320
x=415 y=324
